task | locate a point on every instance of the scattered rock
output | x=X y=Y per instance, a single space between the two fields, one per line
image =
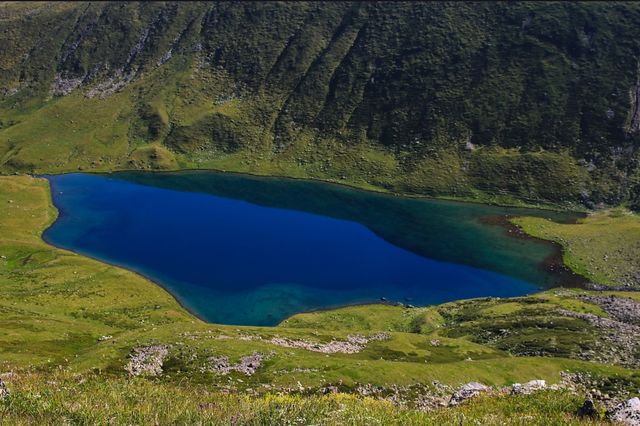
x=354 y=343
x=63 y=84
x=626 y=413
x=422 y=397
x=623 y=309
x=219 y=364
x=435 y=342
x=112 y=85
x=467 y=391
x=528 y=388
x=363 y=340
x=103 y=338
x=147 y=360
x=619 y=344
x=329 y=389
x=588 y=409
x=332 y=347
x=247 y=365
x=4 y=393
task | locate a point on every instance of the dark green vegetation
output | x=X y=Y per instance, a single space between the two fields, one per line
x=69 y=326
x=534 y=102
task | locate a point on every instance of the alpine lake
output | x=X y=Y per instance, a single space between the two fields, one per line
x=236 y=249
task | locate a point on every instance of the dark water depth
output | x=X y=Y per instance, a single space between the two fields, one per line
x=245 y=250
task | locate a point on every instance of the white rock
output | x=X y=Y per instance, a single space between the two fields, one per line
x=467 y=391
x=529 y=387
x=627 y=413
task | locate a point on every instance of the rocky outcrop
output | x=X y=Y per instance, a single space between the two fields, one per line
x=528 y=388
x=623 y=309
x=353 y=344
x=619 y=341
x=63 y=85
x=626 y=413
x=111 y=85
x=147 y=360
x=470 y=390
x=247 y=365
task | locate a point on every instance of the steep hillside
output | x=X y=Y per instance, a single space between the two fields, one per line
x=538 y=101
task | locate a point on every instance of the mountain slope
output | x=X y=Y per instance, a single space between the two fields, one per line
x=533 y=100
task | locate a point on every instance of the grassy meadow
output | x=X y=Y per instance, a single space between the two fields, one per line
x=69 y=326
x=604 y=247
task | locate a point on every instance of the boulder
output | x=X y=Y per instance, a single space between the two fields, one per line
x=529 y=387
x=329 y=389
x=588 y=409
x=467 y=391
x=626 y=413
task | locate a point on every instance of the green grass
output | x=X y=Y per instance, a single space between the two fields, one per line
x=87 y=400
x=56 y=305
x=604 y=247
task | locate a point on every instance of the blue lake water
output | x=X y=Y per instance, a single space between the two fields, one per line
x=244 y=250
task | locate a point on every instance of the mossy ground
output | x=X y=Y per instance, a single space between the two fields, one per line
x=56 y=305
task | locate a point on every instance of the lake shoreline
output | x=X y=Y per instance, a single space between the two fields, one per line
x=504 y=223
x=573 y=208
x=553 y=263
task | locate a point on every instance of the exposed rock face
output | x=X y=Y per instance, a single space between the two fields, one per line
x=147 y=360
x=111 y=85
x=63 y=85
x=528 y=388
x=467 y=391
x=627 y=413
x=4 y=393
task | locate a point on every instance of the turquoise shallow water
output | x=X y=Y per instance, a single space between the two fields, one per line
x=245 y=250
